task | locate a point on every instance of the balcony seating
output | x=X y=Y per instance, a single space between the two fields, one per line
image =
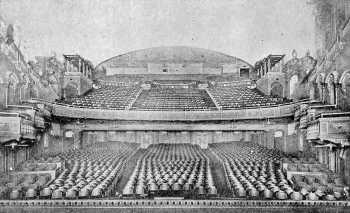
x=171 y=170
x=173 y=99
x=239 y=96
x=107 y=97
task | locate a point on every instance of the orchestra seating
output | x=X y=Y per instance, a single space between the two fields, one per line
x=22 y=186
x=107 y=97
x=314 y=180
x=91 y=172
x=240 y=96
x=171 y=170
x=173 y=99
x=255 y=172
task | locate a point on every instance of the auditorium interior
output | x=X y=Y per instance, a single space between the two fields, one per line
x=178 y=127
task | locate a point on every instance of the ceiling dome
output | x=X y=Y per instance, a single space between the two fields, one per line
x=171 y=54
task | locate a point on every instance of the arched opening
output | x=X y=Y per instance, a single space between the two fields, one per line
x=276 y=90
x=11 y=93
x=345 y=91
x=34 y=92
x=317 y=93
x=12 y=90
x=292 y=84
x=71 y=90
x=278 y=139
x=330 y=90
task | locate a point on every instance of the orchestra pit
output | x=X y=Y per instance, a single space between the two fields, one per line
x=176 y=129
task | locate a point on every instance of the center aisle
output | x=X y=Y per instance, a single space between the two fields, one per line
x=218 y=172
x=129 y=168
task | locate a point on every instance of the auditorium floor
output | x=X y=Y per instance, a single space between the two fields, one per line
x=128 y=170
x=218 y=173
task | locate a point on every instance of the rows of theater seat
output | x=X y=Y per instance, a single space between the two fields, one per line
x=310 y=176
x=87 y=173
x=28 y=178
x=107 y=97
x=255 y=172
x=170 y=99
x=240 y=96
x=171 y=170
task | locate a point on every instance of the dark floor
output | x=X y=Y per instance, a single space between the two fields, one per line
x=218 y=172
x=128 y=170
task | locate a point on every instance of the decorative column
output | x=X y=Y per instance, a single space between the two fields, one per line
x=4 y=94
x=322 y=92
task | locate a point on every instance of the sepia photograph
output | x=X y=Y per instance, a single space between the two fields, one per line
x=174 y=106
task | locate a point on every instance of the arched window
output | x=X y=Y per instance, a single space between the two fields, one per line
x=317 y=93
x=276 y=90
x=345 y=91
x=346 y=84
x=71 y=90
x=292 y=84
x=12 y=90
x=330 y=90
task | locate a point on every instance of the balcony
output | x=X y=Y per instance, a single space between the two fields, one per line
x=15 y=127
x=330 y=127
x=278 y=111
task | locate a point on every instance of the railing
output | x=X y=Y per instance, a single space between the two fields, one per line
x=171 y=203
x=217 y=105
x=276 y=111
x=134 y=99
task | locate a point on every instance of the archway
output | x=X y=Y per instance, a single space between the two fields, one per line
x=345 y=91
x=317 y=92
x=278 y=139
x=71 y=90
x=330 y=90
x=276 y=90
x=292 y=84
x=12 y=89
x=319 y=85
